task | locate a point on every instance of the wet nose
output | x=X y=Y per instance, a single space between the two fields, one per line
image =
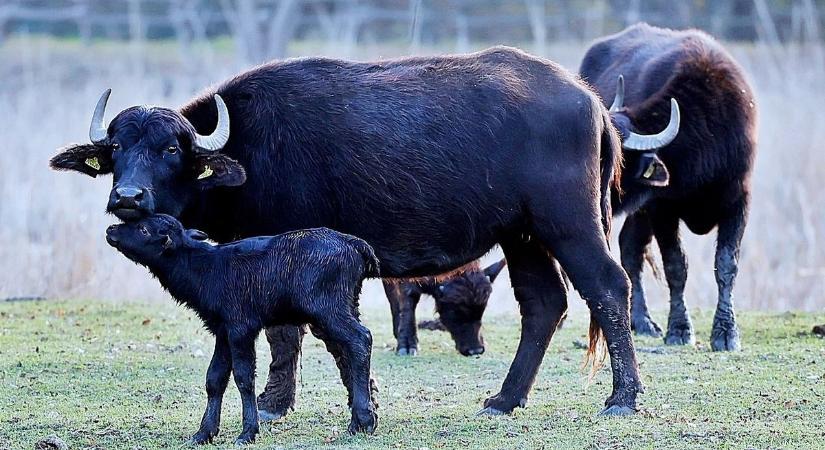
x=128 y=197
x=474 y=351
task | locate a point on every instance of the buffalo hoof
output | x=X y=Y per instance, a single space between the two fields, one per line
x=406 y=351
x=617 y=411
x=203 y=436
x=243 y=441
x=270 y=416
x=725 y=339
x=499 y=404
x=645 y=326
x=680 y=335
x=365 y=421
x=490 y=411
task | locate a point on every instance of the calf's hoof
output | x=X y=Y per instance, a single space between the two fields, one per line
x=406 y=351
x=364 y=421
x=617 y=411
x=645 y=326
x=246 y=438
x=725 y=339
x=681 y=334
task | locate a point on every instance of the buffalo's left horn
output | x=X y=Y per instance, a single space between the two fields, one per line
x=651 y=142
x=98 y=132
x=220 y=136
x=618 y=100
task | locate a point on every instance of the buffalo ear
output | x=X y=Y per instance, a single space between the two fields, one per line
x=213 y=170
x=197 y=235
x=652 y=171
x=494 y=269
x=91 y=159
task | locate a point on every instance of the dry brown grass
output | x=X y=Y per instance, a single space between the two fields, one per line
x=51 y=224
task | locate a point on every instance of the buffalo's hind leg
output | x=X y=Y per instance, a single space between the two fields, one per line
x=725 y=333
x=604 y=285
x=633 y=242
x=542 y=297
x=339 y=354
x=278 y=397
x=217 y=377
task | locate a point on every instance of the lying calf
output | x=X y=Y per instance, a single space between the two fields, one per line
x=460 y=301
x=309 y=276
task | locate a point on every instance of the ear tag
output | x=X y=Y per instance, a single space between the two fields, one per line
x=649 y=171
x=207 y=172
x=93 y=163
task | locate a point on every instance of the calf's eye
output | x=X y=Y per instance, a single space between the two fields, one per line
x=144 y=231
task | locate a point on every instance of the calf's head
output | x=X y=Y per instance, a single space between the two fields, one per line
x=642 y=166
x=149 y=239
x=158 y=161
x=460 y=302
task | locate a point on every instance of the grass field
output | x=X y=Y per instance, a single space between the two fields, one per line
x=109 y=376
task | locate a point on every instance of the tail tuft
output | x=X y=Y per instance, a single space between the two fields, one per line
x=596 y=352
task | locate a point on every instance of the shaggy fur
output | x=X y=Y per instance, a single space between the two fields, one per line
x=308 y=276
x=709 y=163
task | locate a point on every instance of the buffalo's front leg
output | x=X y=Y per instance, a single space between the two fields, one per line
x=634 y=239
x=666 y=229
x=725 y=333
x=217 y=377
x=402 y=307
x=278 y=397
x=542 y=297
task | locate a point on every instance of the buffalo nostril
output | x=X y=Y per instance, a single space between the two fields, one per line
x=129 y=196
x=474 y=351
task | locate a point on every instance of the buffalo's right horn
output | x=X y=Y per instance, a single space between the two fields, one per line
x=618 y=100
x=220 y=136
x=651 y=142
x=98 y=131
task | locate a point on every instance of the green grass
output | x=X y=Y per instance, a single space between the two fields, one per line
x=130 y=376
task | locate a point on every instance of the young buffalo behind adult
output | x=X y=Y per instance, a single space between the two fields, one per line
x=702 y=178
x=431 y=160
x=460 y=300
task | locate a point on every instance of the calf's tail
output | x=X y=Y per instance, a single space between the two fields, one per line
x=371 y=264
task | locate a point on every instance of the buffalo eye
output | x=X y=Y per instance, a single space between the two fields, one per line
x=115 y=146
x=172 y=149
x=144 y=231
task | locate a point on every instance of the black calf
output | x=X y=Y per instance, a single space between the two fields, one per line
x=309 y=276
x=460 y=301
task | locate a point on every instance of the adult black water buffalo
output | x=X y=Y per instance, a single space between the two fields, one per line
x=705 y=179
x=431 y=160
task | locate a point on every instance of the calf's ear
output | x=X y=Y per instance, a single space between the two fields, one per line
x=213 y=170
x=652 y=171
x=494 y=269
x=197 y=235
x=91 y=159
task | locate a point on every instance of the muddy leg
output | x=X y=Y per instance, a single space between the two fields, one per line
x=542 y=297
x=278 y=397
x=633 y=242
x=725 y=333
x=666 y=229
x=402 y=306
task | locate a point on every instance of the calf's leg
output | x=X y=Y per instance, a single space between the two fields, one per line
x=402 y=307
x=542 y=297
x=278 y=397
x=633 y=242
x=725 y=333
x=217 y=377
x=344 y=368
x=242 y=346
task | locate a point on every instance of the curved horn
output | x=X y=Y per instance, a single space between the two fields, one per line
x=618 y=100
x=651 y=142
x=220 y=136
x=98 y=132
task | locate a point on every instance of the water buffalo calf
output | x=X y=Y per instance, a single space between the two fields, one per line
x=701 y=178
x=460 y=301
x=308 y=276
